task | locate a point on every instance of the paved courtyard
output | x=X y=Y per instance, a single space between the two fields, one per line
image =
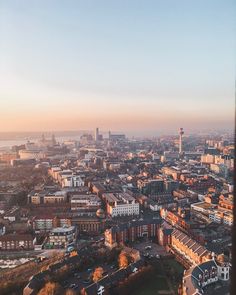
x=155 y=248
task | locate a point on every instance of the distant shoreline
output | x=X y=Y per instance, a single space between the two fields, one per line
x=37 y=134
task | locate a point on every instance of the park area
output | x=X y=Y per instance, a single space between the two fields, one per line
x=164 y=280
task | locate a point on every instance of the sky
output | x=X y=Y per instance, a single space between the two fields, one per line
x=132 y=66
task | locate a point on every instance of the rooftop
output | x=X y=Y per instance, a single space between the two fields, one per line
x=63 y=229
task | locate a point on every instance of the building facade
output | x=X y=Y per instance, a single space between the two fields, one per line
x=131 y=232
x=16 y=242
x=62 y=236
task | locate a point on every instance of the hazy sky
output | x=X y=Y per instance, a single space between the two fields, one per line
x=129 y=65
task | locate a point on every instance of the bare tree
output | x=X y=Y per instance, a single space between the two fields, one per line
x=123 y=260
x=50 y=288
x=97 y=274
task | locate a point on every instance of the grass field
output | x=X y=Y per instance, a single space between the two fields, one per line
x=158 y=282
x=153 y=286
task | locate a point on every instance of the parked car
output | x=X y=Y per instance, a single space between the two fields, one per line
x=87 y=281
x=148 y=247
x=72 y=286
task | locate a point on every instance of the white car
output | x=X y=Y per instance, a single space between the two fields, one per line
x=148 y=247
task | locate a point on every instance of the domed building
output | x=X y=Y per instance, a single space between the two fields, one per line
x=223 y=267
x=199 y=276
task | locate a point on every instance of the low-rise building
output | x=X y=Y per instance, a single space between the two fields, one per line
x=72 y=181
x=89 y=223
x=47 y=222
x=199 y=276
x=151 y=186
x=62 y=236
x=164 y=234
x=85 y=202
x=122 y=204
x=45 y=197
x=15 y=242
x=157 y=202
x=191 y=250
x=131 y=231
x=12 y=214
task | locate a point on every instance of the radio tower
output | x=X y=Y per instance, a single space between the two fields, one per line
x=181 y=133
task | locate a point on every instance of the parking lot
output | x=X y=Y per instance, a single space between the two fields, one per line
x=219 y=245
x=150 y=249
x=218 y=288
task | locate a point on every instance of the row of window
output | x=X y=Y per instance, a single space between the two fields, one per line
x=15 y=242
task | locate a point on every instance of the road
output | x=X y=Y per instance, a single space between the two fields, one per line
x=84 y=279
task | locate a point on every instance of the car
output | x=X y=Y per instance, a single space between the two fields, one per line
x=65 y=284
x=72 y=286
x=86 y=281
x=157 y=256
x=148 y=247
x=89 y=269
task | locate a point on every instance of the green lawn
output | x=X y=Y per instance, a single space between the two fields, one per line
x=176 y=266
x=158 y=282
x=153 y=286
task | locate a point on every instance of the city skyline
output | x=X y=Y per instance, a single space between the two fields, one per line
x=132 y=67
x=117 y=147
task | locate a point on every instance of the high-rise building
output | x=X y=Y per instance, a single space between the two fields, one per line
x=96 y=136
x=181 y=133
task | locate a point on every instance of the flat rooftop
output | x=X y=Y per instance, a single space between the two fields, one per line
x=204 y=205
x=63 y=229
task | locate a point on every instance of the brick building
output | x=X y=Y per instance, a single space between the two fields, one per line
x=191 y=250
x=131 y=231
x=14 y=242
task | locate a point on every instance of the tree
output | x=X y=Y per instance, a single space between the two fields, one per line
x=123 y=260
x=50 y=288
x=44 y=268
x=97 y=274
x=73 y=253
x=70 y=292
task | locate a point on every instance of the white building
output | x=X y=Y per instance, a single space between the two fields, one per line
x=2 y=229
x=90 y=202
x=228 y=219
x=215 y=217
x=31 y=154
x=72 y=181
x=121 y=204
